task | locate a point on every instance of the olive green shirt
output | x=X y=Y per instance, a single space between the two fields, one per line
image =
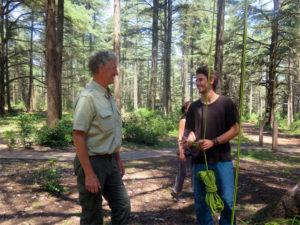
x=96 y=114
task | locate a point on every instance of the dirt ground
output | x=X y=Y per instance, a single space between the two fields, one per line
x=149 y=183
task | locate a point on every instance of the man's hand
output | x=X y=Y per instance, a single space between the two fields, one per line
x=120 y=164
x=92 y=183
x=205 y=144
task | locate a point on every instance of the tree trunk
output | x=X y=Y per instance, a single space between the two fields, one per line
x=220 y=41
x=153 y=82
x=191 y=74
x=184 y=77
x=251 y=100
x=168 y=104
x=53 y=82
x=272 y=68
x=29 y=105
x=2 y=83
x=287 y=207
x=59 y=49
x=290 y=114
x=117 y=37
x=259 y=102
x=135 y=82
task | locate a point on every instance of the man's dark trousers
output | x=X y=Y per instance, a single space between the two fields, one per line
x=112 y=188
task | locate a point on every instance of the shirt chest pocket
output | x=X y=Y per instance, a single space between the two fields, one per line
x=106 y=121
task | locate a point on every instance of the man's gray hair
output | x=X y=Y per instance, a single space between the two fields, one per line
x=100 y=58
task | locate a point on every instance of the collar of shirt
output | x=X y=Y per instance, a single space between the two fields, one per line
x=106 y=92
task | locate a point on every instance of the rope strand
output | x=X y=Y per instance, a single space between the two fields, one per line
x=243 y=65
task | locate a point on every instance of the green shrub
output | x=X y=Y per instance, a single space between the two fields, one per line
x=145 y=126
x=49 y=178
x=11 y=138
x=60 y=136
x=132 y=132
x=26 y=124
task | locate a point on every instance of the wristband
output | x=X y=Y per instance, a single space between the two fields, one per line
x=215 y=141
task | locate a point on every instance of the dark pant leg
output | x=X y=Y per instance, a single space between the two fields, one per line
x=91 y=204
x=181 y=174
x=116 y=195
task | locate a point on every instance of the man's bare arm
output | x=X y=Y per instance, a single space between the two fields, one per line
x=92 y=183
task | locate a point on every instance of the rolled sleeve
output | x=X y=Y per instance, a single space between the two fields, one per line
x=84 y=113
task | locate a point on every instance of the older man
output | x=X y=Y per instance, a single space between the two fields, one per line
x=97 y=139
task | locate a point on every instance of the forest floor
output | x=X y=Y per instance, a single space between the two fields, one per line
x=263 y=178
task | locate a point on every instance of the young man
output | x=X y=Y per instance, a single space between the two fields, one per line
x=222 y=126
x=97 y=139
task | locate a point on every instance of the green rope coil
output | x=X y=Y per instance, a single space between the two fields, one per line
x=212 y=199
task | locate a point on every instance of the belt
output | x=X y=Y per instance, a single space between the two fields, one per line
x=105 y=156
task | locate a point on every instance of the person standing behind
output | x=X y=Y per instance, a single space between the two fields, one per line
x=222 y=126
x=97 y=138
x=185 y=158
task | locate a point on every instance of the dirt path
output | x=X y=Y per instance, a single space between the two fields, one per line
x=284 y=140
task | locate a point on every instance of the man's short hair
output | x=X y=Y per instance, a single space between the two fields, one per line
x=213 y=74
x=100 y=58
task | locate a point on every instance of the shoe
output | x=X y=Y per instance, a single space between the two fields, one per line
x=177 y=197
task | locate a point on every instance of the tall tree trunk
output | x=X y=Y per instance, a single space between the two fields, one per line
x=59 y=49
x=168 y=104
x=29 y=105
x=251 y=99
x=290 y=114
x=192 y=74
x=53 y=82
x=184 y=77
x=272 y=67
x=220 y=41
x=117 y=37
x=135 y=82
x=259 y=102
x=153 y=82
x=2 y=83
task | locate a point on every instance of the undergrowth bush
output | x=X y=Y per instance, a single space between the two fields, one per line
x=11 y=138
x=60 y=136
x=49 y=178
x=146 y=126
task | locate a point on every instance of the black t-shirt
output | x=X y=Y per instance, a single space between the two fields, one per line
x=221 y=116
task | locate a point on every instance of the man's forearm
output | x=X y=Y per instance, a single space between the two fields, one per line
x=227 y=136
x=82 y=153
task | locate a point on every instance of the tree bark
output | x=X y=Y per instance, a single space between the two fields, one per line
x=29 y=105
x=59 y=49
x=192 y=74
x=53 y=83
x=2 y=83
x=290 y=113
x=168 y=104
x=287 y=207
x=251 y=100
x=220 y=41
x=117 y=37
x=184 y=77
x=153 y=82
x=135 y=82
x=272 y=67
